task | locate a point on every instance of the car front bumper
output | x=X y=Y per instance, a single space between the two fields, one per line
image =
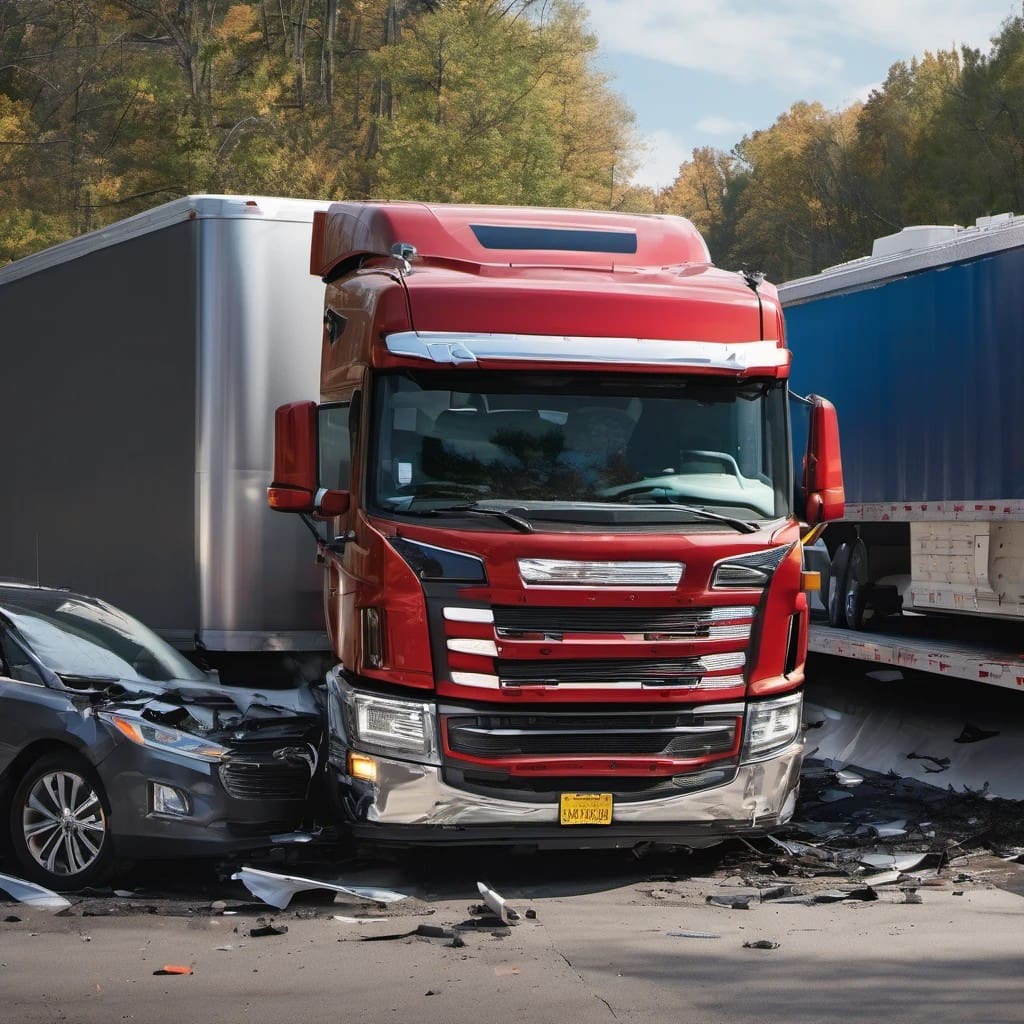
x=412 y=803
x=217 y=822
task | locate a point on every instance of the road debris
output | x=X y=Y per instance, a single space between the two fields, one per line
x=497 y=904
x=174 y=969
x=892 y=861
x=265 y=928
x=847 y=778
x=974 y=734
x=33 y=895
x=278 y=890
x=941 y=763
x=831 y=796
x=761 y=944
x=693 y=935
x=732 y=902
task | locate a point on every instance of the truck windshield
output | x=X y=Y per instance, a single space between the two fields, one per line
x=538 y=442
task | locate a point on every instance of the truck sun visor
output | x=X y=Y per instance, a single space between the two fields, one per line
x=494 y=236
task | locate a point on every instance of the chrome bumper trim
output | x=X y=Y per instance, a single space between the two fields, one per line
x=763 y=793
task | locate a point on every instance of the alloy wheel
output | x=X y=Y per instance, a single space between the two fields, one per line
x=63 y=823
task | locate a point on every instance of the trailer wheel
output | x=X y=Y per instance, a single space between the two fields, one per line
x=837 y=585
x=855 y=591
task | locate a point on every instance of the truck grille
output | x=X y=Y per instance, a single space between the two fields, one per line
x=683 y=672
x=665 y=734
x=262 y=780
x=616 y=648
x=723 y=623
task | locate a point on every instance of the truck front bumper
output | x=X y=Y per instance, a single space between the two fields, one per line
x=411 y=803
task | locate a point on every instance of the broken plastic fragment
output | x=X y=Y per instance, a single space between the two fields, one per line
x=892 y=861
x=761 y=944
x=830 y=796
x=33 y=895
x=497 y=904
x=174 y=969
x=888 y=829
x=972 y=734
x=847 y=778
x=278 y=890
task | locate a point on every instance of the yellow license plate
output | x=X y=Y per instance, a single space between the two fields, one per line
x=585 y=809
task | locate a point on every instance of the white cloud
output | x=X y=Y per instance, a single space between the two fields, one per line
x=793 y=43
x=860 y=94
x=660 y=164
x=715 y=125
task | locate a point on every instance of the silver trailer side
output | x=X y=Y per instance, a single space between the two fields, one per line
x=141 y=368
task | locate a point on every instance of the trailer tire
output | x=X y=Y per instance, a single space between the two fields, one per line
x=855 y=591
x=837 y=585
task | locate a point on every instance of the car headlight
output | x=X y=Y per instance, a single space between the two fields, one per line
x=751 y=572
x=772 y=725
x=160 y=737
x=381 y=725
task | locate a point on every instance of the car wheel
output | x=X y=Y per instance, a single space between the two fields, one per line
x=60 y=823
x=837 y=585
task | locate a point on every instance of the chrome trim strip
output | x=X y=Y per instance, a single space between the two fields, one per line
x=564 y=572
x=457 y=349
x=461 y=645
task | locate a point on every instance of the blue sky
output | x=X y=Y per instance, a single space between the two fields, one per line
x=706 y=72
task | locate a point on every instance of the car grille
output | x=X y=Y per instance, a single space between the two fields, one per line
x=680 y=672
x=691 y=624
x=265 y=780
x=673 y=735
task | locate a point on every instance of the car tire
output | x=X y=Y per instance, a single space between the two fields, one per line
x=60 y=823
x=837 y=585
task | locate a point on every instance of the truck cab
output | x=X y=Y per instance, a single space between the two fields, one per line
x=551 y=482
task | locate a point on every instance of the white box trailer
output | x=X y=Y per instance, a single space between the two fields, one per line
x=141 y=368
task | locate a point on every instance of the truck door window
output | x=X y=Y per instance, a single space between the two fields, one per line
x=335 y=447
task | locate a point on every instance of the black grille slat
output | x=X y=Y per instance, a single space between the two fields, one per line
x=679 y=736
x=604 y=670
x=265 y=780
x=693 y=622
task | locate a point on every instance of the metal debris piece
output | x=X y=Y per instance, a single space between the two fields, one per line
x=497 y=904
x=278 y=890
x=795 y=849
x=33 y=895
x=881 y=878
x=358 y=920
x=732 y=902
x=693 y=935
x=779 y=892
x=761 y=944
x=295 y=838
x=847 y=778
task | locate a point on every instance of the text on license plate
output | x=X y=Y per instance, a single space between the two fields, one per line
x=585 y=809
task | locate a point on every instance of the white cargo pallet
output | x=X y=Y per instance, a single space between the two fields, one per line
x=955 y=661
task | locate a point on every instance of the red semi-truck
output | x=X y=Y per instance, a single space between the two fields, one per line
x=551 y=481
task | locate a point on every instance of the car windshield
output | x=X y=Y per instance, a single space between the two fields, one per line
x=80 y=636
x=542 y=442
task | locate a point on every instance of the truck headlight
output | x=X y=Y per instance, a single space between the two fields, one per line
x=772 y=725
x=750 y=572
x=392 y=728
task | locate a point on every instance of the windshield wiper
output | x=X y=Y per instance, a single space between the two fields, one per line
x=475 y=510
x=742 y=525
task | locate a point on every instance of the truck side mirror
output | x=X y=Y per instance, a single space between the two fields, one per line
x=296 y=486
x=823 y=467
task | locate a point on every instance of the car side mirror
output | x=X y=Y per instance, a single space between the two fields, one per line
x=296 y=486
x=823 y=466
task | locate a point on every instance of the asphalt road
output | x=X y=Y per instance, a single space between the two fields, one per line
x=614 y=937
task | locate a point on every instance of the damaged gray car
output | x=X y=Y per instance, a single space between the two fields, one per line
x=113 y=746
